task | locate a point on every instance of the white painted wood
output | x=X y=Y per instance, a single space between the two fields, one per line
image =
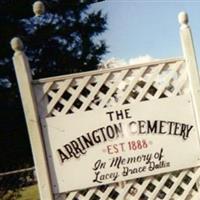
x=131 y=85
x=187 y=187
x=76 y=93
x=60 y=131
x=38 y=8
x=98 y=72
x=168 y=78
x=177 y=181
x=191 y=63
x=94 y=91
x=105 y=194
x=141 y=188
x=58 y=95
x=46 y=88
x=41 y=99
x=178 y=82
x=30 y=109
x=174 y=84
x=193 y=72
x=153 y=195
x=113 y=88
x=150 y=81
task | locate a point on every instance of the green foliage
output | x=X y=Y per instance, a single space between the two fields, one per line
x=63 y=40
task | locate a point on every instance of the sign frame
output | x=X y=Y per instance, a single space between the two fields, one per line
x=32 y=110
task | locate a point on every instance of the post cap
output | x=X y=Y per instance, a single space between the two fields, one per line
x=183 y=18
x=38 y=8
x=17 y=44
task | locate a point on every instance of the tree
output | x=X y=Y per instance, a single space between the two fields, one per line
x=63 y=40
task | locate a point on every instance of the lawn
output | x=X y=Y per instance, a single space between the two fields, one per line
x=27 y=193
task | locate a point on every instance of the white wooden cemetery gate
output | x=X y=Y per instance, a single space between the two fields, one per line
x=70 y=94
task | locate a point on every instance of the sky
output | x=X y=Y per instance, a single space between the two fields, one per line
x=138 y=28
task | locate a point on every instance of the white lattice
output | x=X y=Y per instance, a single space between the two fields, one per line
x=106 y=88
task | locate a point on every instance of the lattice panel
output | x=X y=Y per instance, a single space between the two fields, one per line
x=107 y=88
x=178 y=185
x=111 y=88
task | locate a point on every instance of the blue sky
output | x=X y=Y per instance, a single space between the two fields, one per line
x=137 y=28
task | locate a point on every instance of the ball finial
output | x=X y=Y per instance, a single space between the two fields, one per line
x=38 y=8
x=183 y=18
x=17 y=44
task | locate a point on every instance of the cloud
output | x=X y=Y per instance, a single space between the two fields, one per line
x=140 y=59
x=116 y=62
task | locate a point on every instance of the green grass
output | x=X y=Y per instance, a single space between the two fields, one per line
x=27 y=193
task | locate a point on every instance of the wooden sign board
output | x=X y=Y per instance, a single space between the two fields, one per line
x=115 y=133
x=126 y=142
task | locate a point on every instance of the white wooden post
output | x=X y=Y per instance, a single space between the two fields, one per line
x=38 y=8
x=191 y=63
x=24 y=79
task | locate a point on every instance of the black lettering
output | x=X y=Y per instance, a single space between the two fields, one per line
x=77 y=149
x=110 y=115
x=141 y=125
x=189 y=128
x=97 y=177
x=99 y=165
x=152 y=128
x=80 y=142
x=95 y=137
x=118 y=129
x=69 y=150
x=88 y=141
x=119 y=115
x=161 y=131
x=127 y=113
x=103 y=134
x=176 y=128
x=116 y=162
x=62 y=155
x=110 y=132
x=170 y=127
